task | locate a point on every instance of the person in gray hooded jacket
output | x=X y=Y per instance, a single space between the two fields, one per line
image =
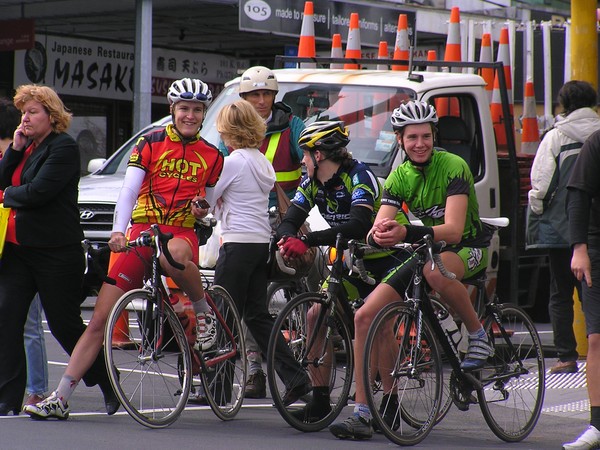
x=547 y=225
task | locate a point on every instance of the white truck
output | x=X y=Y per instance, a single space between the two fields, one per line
x=364 y=99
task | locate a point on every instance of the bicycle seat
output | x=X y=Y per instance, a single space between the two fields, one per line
x=498 y=222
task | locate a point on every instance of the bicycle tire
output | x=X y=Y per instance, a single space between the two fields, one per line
x=154 y=352
x=511 y=405
x=336 y=356
x=279 y=293
x=447 y=401
x=224 y=383
x=419 y=389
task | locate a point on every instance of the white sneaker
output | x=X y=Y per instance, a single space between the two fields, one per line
x=51 y=406
x=589 y=440
x=206 y=330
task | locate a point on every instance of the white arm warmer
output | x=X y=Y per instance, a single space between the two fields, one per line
x=134 y=176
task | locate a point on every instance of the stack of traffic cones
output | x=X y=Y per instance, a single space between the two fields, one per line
x=453 y=45
x=498 y=118
x=450 y=106
x=307 y=47
x=432 y=56
x=530 y=137
x=401 y=48
x=485 y=55
x=383 y=54
x=336 y=51
x=353 y=49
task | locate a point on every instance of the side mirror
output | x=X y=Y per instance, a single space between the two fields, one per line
x=95 y=164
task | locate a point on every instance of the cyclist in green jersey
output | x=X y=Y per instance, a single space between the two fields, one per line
x=438 y=188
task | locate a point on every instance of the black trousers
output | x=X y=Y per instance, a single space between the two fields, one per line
x=242 y=270
x=560 y=305
x=57 y=274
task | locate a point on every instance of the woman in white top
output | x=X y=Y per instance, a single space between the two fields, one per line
x=241 y=197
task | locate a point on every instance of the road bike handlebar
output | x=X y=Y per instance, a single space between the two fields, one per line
x=158 y=240
x=92 y=255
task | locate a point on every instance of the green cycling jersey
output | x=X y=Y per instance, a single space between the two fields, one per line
x=425 y=190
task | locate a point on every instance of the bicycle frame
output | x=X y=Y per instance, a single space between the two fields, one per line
x=335 y=292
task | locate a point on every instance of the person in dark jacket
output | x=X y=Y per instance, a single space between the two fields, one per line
x=583 y=210
x=39 y=176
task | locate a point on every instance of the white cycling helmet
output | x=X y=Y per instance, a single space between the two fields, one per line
x=189 y=89
x=412 y=113
x=258 y=78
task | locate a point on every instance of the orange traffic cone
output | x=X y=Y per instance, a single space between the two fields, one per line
x=336 y=51
x=450 y=106
x=432 y=56
x=401 y=48
x=530 y=137
x=496 y=105
x=353 y=44
x=453 y=50
x=383 y=54
x=485 y=55
x=306 y=47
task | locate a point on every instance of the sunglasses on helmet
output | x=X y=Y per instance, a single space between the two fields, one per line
x=190 y=96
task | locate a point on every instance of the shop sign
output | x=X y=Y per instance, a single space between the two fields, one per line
x=16 y=34
x=284 y=17
x=101 y=69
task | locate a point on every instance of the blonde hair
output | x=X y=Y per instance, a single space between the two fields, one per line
x=241 y=126
x=60 y=116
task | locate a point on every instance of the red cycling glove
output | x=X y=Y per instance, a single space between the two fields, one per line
x=293 y=247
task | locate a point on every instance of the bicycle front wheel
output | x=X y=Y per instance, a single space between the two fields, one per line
x=150 y=370
x=322 y=344
x=405 y=401
x=514 y=378
x=224 y=365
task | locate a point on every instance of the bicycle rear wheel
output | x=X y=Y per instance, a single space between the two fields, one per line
x=151 y=374
x=390 y=351
x=224 y=365
x=327 y=358
x=514 y=378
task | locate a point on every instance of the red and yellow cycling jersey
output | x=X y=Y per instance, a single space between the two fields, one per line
x=176 y=171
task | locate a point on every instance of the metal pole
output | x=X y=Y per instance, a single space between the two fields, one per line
x=547 y=50
x=584 y=41
x=142 y=91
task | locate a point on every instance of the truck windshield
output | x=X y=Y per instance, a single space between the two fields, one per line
x=364 y=109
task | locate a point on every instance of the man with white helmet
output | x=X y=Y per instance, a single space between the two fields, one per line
x=259 y=87
x=166 y=177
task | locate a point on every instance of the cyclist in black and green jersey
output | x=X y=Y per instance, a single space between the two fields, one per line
x=348 y=195
x=438 y=188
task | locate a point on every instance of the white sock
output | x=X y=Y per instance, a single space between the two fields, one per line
x=201 y=306
x=66 y=387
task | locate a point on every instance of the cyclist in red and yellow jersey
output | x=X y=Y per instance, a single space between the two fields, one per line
x=164 y=184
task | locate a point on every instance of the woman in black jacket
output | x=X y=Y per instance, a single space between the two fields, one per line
x=39 y=176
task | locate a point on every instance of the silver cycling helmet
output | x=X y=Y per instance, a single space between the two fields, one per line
x=412 y=113
x=189 y=89
x=258 y=78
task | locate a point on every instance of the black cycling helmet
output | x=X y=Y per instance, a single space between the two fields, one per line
x=412 y=113
x=324 y=135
